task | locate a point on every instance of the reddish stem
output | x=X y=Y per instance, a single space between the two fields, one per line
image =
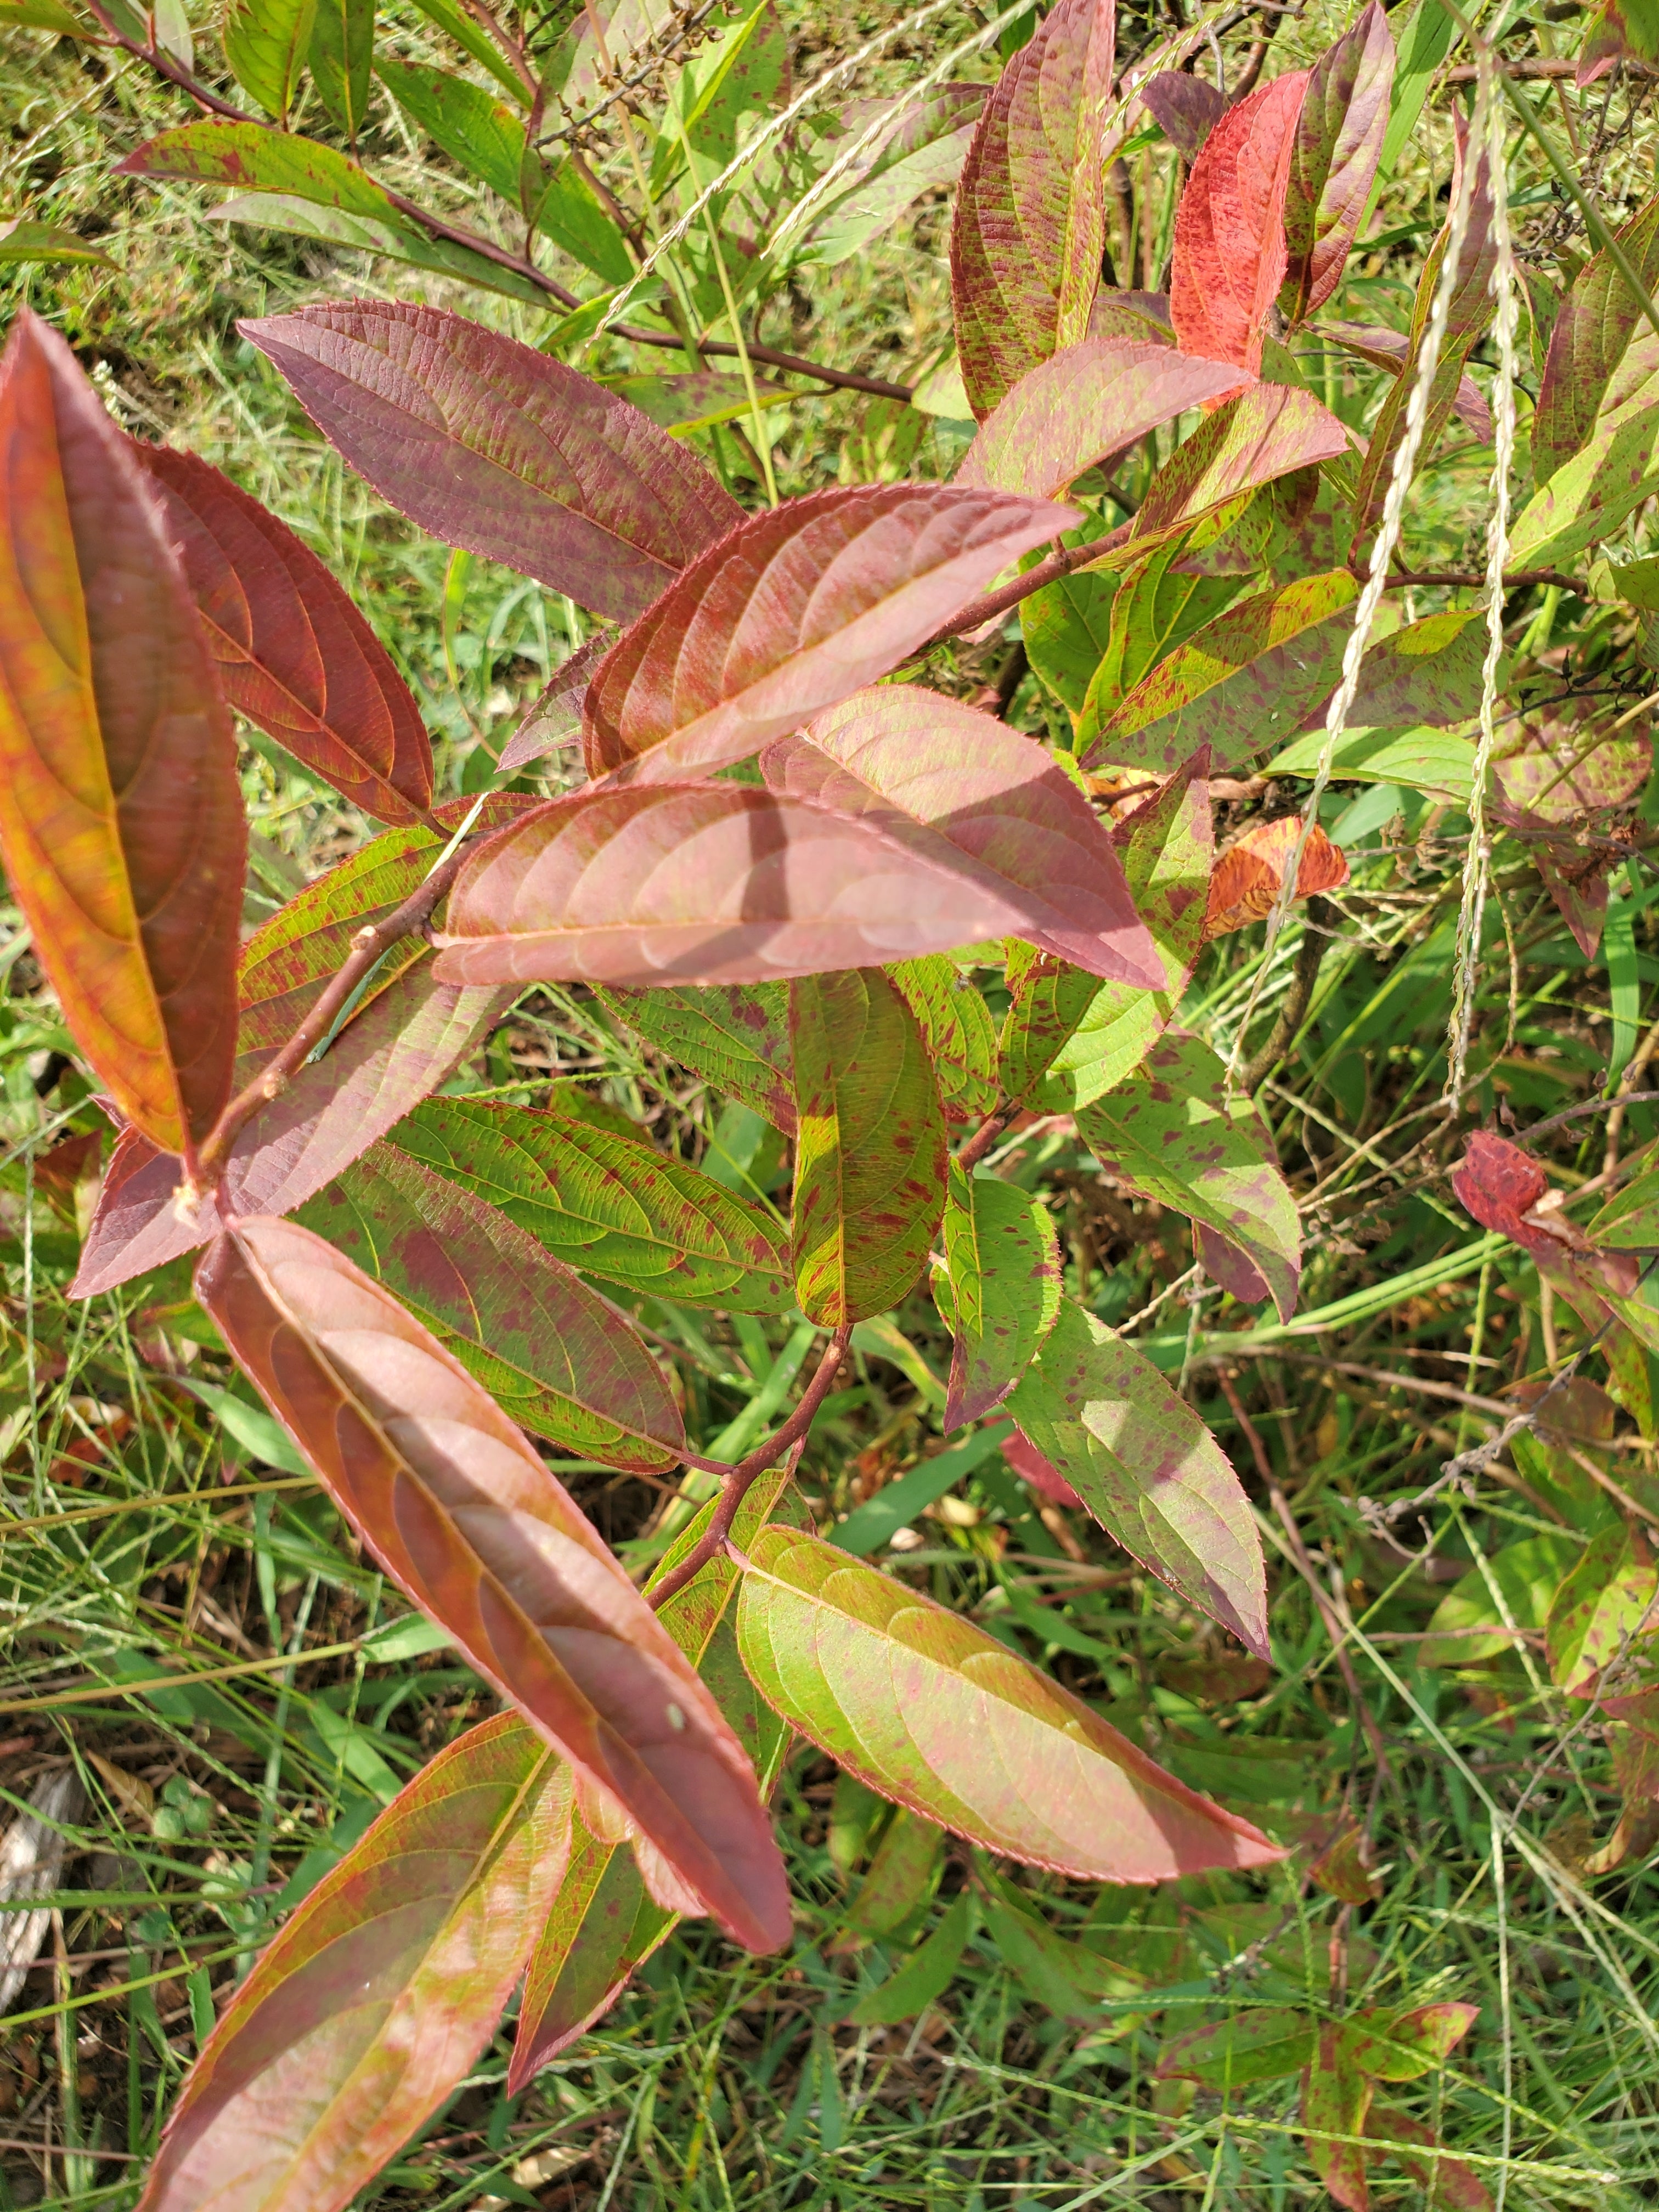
x=982 y=1141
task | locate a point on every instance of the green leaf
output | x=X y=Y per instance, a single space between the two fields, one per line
x=1003 y=1259
x=939 y=1716
x=23 y=240
x=570 y=214
x=1064 y=1975
x=1422 y=48
x=924 y=1977
x=903 y=1877
x=395 y=239
x=870 y=1153
x=1629 y=1222
x=1262 y=2044
x=453 y=20
x=1467 y=1626
x=609 y=1204
x=259 y=1433
x=47 y=15
x=1404 y=2046
x=736 y=1035
x=265 y=44
x=1599 y=1606
x=1589 y=496
x=1154 y=610
x=693 y=400
x=897 y=1505
x=1067 y=627
x=255 y=160
x=342 y=59
x=483 y=136
x=1175 y=1132
x=1147 y=1468
x=961 y=1038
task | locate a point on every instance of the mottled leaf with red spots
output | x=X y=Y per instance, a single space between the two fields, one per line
x=1338 y=139
x=1230 y=250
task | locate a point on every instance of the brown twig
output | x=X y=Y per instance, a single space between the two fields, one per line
x=1321 y=916
x=1061 y=563
x=1511 y=583
x=738 y=1481
x=1537 y=65
x=982 y=1141
x=366 y=947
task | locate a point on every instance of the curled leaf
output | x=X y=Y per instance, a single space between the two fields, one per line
x=1249 y=874
x=1338 y=141
x=1185 y=107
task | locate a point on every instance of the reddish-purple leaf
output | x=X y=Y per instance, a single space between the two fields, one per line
x=1391 y=349
x=552 y=1353
x=487 y=444
x=1037 y=1473
x=1030 y=221
x=1083 y=408
x=797 y=608
x=1592 y=333
x=1250 y=873
x=1174 y=1131
x=714 y=883
x=1239 y=1277
x=1147 y=1468
x=932 y=1712
x=1186 y=108
x=293 y=654
x=963 y=791
x=1338 y=139
x=121 y=814
x=1230 y=250
x=1335 y=2099
x=870 y=1149
x=1447 y=2184
x=1266 y=432
x=478 y=1533
x=1560 y=773
x=373 y=2002
x=1502 y=1188
x=555 y=717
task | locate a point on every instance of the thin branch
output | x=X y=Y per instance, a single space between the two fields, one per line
x=740 y=1480
x=1061 y=563
x=1515 y=580
x=982 y=1141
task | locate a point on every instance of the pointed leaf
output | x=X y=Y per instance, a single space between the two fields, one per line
x=1244 y=681
x=120 y=812
x=1230 y=251
x=961 y=790
x=1447 y=2184
x=961 y=1037
x=1600 y=1606
x=1262 y=2044
x=1030 y=219
x=341 y=61
x=1471 y=1624
x=736 y=1035
x=260 y=161
x=1266 y=433
x=614 y=1207
x=926 y=149
x=554 y=1356
x=1336 y=2097
x=934 y=1713
x=555 y=718
x=1250 y=874
x=707 y=883
x=1174 y=1133
x=793 y=612
x=923 y=1977
x=470 y=125
x=1186 y=108
x=293 y=654
x=1590 y=336
x=21 y=239
x=1589 y=496
x=478 y=1532
x=373 y=2003
x=265 y=42
x=903 y=1875
x=870 y=1150
x=1147 y=1468
x=1391 y=349
x=1081 y=408
x=1338 y=140
x=1067 y=627
x=1404 y=2046
x=1003 y=1259
x=487 y=444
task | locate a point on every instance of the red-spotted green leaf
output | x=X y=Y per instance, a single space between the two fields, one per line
x=22 y=240
x=1065 y=1976
x=1246 y=679
x=293 y=654
x=925 y=147
x=1599 y=1609
x=1147 y=1468
x=932 y=1712
x=1403 y=2045
x=256 y=160
x=478 y=1532
x=1589 y=495
x=265 y=42
x=1391 y=349
x=1591 y=335
x=963 y=791
x=736 y=1035
x=1067 y=627
x=1030 y=218
x=1447 y=2184
x=470 y=125
x=1230 y=249
x=961 y=1037
x=1469 y=1626
x=1157 y=606
x=1267 y=432
x=487 y=444
x=1004 y=1260
x=1186 y=108
x=120 y=813
x=1176 y=1132
x=1262 y=2044
x=798 y=608
x=1083 y=407
x=870 y=1147
x=373 y=2003
x=1338 y=139
x=1335 y=2099
x=1571 y=760
x=553 y=1355
x=1250 y=874
x=614 y=1207
x=707 y=883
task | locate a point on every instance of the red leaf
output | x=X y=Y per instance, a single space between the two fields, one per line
x=1185 y=108
x=1031 y=225
x=373 y=2003
x=1336 y=2096
x=487 y=444
x=1266 y=432
x=1497 y=1183
x=1042 y=1474
x=715 y=883
x=1082 y=409
x=1230 y=251
x=794 y=610
x=1338 y=139
x=966 y=793
x=1391 y=349
x=1447 y=2185
x=1249 y=874
x=293 y=654
x=1224 y=1263
x=121 y=814
x=478 y=1533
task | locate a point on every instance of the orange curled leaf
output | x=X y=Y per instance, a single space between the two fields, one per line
x=1230 y=251
x=120 y=815
x=482 y=1536
x=1248 y=875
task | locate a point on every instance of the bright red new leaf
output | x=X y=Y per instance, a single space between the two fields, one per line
x=1230 y=251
